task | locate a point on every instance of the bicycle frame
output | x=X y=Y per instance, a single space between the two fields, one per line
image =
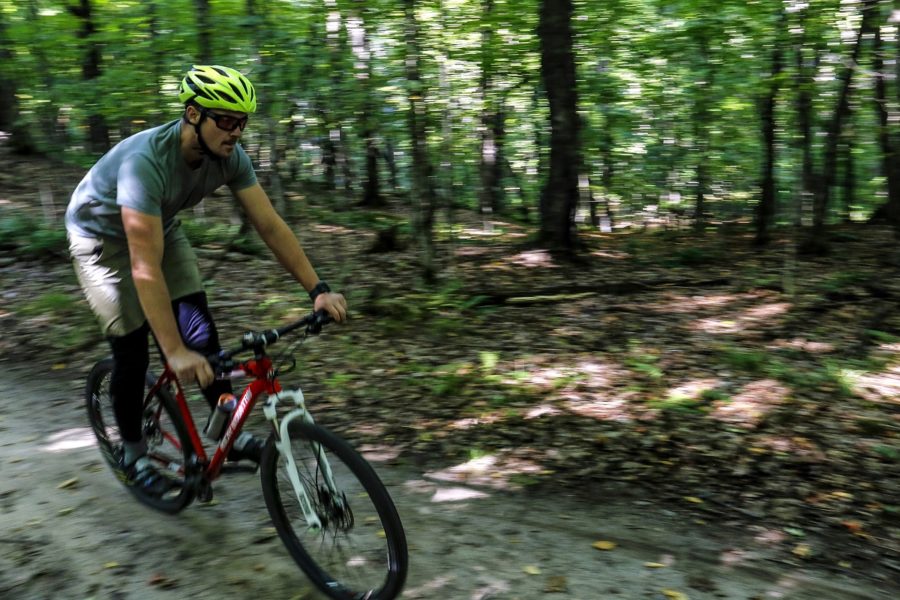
x=260 y=369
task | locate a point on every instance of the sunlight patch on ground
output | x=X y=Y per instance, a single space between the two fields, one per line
x=879 y=387
x=611 y=254
x=469 y=422
x=587 y=373
x=766 y=311
x=491 y=471
x=333 y=229
x=602 y=407
x=533 y=259
x=803 y=345
x=694 y=388
x=676 y=303
x=70 y=439
x=456 y=494
x=754 y=316
x=542 y=411
x=379 y=452
x=752 y=403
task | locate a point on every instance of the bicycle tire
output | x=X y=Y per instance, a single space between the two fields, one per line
x=169 y=445
x=370 y=504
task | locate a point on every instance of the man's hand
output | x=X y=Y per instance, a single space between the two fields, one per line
x=190 y=366
x=334 y=303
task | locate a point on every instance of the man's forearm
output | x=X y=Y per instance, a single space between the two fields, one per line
x=287 y=249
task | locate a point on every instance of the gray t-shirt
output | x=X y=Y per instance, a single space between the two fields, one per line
x=147 y=172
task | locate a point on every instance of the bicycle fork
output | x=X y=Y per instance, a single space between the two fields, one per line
x=283 y=444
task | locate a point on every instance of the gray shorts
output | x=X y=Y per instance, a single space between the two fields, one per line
x=103 y=267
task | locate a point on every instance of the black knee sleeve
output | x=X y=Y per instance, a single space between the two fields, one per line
x=131 y=358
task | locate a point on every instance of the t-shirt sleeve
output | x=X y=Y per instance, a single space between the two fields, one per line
x=139 y=186
x=240 y=173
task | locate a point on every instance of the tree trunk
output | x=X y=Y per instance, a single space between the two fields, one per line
x=804 y=123
x=20 y=140
x=889 y=157
x=765 y=212
x=98 y=137
x=204 y=33
x=489 y=167
x=422 y=189
x=559 y=198
x=701 y=132
x=848 y=186
x=360 y=46
x=818 y=243
x=270 y=151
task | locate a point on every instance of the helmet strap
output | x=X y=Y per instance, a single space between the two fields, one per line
x=203 y=145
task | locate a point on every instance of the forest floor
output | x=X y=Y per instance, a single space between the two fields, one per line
x=717 y=387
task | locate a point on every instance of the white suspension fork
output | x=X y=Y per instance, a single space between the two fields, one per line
x=284 y=448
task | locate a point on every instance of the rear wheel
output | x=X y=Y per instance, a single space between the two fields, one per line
x=360 y=551
x=169 y=446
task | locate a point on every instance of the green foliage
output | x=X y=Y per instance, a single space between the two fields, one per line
x=891 y=453
x=692 y=257
x=663 y=88
x=643 y=362
x=837 y=282
x=51 y=303
x=31 y=238
x=745 y=359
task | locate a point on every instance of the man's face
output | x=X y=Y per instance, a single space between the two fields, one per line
x=215 y=129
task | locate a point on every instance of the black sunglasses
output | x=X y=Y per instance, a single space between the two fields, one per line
x=226 y=122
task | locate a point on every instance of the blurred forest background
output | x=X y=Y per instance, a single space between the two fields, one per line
x=561 y=113
x=643 y=241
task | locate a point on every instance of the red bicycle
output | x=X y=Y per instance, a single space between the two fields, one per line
x=327 y=503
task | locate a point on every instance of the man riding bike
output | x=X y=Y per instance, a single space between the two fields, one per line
x=137 y=268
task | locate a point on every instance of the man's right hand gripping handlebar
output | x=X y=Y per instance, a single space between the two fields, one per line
x=190 y=366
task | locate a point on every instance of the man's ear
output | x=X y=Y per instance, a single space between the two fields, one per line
x=191 y=114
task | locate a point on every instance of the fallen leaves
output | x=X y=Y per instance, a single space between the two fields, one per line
x=67 y=484
x=604 y=545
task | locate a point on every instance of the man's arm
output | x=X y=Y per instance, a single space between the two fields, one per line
x=146 y=245
x=286 y=247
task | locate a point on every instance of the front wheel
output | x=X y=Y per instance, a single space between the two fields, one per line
x=360 y=549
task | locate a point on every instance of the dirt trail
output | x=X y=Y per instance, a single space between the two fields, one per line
x=69 y=530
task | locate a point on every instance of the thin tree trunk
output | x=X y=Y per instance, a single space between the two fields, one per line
x=818 y=243
x=701 y=134
x=490 y=160
x=204 y=32
x=559 y=198
x=423 y=191
x=765 y=212
x=98 y=136
x=888 y=147
x=360 y=46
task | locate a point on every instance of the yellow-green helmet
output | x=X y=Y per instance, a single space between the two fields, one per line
x=212 y=86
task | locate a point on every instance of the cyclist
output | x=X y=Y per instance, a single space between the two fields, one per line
x=135 y=264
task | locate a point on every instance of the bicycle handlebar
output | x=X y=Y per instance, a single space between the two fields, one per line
x=259 y=340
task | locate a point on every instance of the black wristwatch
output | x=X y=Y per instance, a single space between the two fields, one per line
x=320 y=288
